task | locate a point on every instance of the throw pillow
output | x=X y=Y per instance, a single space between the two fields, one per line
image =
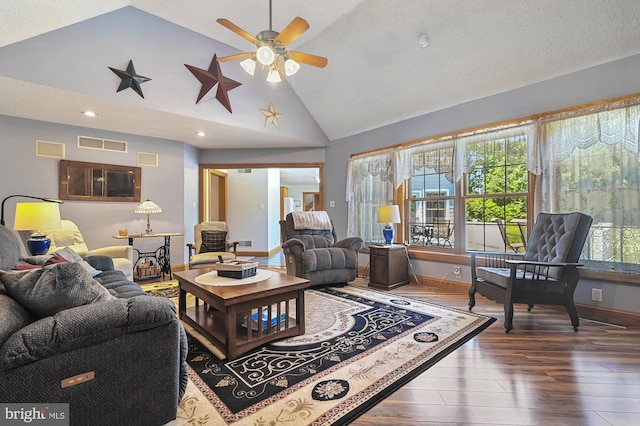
x=53 y=288
x=72 y=256
x=213 y=241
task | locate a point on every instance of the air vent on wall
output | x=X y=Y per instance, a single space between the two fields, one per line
x=49 y=149
x=147 y=159
x=103 y=144
x=246 y=243
x=244 y=170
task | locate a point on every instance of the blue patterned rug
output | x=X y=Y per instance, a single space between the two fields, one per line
x=360 y=346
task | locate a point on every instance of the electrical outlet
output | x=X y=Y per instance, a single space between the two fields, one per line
x=596 y=294
x=457 y=272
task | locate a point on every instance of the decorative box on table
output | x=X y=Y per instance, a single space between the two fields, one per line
x=237 y=269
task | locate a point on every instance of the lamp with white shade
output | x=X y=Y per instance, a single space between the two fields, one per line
x=37 y=216
x=148 y=207
x=388 y=215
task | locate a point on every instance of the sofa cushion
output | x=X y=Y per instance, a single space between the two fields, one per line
x=118 y=285
x=213 y=241
x=54 y=288
x=14 y=317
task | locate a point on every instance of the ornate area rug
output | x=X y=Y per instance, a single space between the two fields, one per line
x=360 y=346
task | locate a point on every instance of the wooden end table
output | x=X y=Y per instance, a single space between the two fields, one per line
x=222 y=313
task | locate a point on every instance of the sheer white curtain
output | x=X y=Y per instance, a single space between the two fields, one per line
x=591 y=163
x=370 y=184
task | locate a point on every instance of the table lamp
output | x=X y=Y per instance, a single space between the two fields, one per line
x=37 y=216
x=147 y=207
x=388 y=215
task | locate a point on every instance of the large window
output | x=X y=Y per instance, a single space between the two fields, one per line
x=480 y=191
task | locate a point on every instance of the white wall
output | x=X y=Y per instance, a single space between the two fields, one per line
x=248 y=202
x=273 y=220
x=25 y=173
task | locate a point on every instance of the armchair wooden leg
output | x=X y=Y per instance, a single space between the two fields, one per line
x=573 y=314
x=472 y=297
x=508 y=317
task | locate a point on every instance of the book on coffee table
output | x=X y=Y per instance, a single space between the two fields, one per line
x=265 y=319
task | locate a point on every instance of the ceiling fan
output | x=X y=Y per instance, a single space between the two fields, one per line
x=271 y=49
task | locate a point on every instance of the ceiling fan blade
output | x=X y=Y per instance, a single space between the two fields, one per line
x=236 y=29
x=306 y=58
x=293 y=31
x=237 y=57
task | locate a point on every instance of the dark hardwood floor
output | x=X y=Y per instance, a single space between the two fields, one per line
x=542 y=373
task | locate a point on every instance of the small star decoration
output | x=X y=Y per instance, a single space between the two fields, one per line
x=210 y=78
x=271 y=116
x=130 y=79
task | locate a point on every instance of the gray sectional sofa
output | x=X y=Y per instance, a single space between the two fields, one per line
x=57 y=322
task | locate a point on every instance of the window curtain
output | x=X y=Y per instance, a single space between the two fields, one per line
x=430 y=154
x=370 y=184
x=591 y=163
x=439 y=156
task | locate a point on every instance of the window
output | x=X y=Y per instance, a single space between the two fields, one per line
x=370 y=184
x=496 y=193
x=592 y=165
x=473 y=192
x=432 y=193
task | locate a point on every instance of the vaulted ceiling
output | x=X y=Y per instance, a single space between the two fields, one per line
x=55 y=58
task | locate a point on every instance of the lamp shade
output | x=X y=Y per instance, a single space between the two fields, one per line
x=389 y=214
x=148 y=207
x=37 y=216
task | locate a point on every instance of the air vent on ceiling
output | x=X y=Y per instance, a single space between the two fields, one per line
x=147 y=159
x=103 y=144
x=49 y=149
x=244 y=170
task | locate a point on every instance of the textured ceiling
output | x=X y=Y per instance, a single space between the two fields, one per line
x=377 y=74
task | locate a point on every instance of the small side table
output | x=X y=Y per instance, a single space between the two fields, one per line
x=162 y=255
x=388 y=266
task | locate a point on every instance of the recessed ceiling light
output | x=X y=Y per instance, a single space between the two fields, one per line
x=201 y=133
x=89 y=113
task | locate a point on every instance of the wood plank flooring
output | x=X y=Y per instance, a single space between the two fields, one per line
x=542 y=373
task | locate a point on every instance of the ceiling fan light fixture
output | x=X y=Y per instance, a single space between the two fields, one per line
x=291 y=67
x=249 y=65
x=265 y=55
x=274 y=76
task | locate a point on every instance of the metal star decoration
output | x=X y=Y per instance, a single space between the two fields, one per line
x=210 y=78
x=130 y=79
x=271 y=116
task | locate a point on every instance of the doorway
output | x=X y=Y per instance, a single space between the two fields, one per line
x=213 y=184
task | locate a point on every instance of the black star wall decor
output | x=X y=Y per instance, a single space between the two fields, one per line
x=210 y=78
x=130 y=79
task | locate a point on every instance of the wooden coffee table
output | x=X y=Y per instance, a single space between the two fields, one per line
x=221 y=311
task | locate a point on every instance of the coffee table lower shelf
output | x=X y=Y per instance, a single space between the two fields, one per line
x=237 y=339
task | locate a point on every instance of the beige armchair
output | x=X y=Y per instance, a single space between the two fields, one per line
x=70 y=236
x=211 y=241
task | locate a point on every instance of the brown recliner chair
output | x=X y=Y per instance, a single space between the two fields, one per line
x=312 y=250
x=545 y=274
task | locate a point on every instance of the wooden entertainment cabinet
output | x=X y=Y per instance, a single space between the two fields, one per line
x=388 y=266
